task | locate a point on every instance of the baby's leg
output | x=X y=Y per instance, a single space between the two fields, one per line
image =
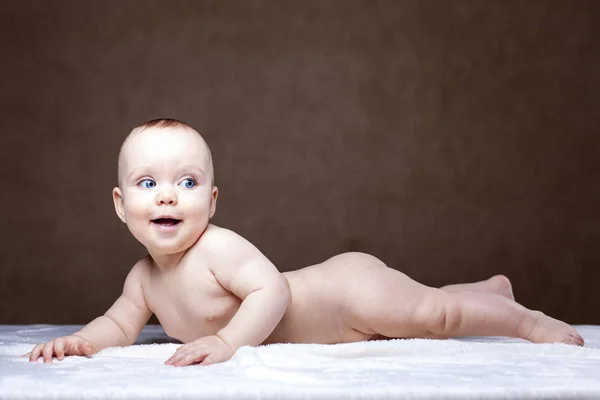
x=489 y=314
x=393 y=305
x=498 y=284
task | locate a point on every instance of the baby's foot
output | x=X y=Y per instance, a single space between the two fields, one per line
x=501 y=285
x=550 y=330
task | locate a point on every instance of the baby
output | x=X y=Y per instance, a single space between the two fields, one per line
x=214 y=291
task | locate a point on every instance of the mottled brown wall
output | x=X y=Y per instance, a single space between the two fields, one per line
x=453 y=139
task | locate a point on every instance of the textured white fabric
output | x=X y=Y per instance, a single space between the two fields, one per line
x=461 y=368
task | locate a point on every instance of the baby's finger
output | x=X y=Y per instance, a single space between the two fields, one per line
x=36 y=352
x=86 y=348
x=178 y=354
x=208 y=360
x=48 y=352
x=198 y=355
x=59 y=348
x=76 y=348
x=69 y=348
x=176 y=358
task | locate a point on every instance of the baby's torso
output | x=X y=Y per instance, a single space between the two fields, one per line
x=190 y=303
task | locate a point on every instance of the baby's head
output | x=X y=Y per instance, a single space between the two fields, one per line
x=166 y=193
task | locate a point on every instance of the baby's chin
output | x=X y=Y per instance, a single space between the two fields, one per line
x=164 y=246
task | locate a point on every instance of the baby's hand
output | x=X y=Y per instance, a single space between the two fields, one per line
x=63 y=346
x=204 y=351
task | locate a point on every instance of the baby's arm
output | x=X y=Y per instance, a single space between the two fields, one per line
x=243 y=270
x=119 y=326
x=265 y=297
x=123 y=322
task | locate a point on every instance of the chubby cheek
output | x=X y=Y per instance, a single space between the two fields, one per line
x=196 y=209
x=138 y=206
x=138 y=212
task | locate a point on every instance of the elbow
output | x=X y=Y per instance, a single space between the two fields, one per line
x=285 y=292
x=281 y=295
x=128 y=341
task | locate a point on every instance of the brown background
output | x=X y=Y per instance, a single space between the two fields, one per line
x=454 y=140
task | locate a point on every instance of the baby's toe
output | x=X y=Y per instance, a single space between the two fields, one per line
x=573 y=338
x=578 y=340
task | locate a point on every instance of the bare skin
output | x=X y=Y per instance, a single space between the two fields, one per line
x=498 y=284
x=354 y=296
x=214 y=291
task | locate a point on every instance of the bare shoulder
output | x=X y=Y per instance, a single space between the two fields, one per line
x=139 y=272
x=223 y=248
x=133 y=288
x=237 y=264
x=142 y=268
x=225 y=242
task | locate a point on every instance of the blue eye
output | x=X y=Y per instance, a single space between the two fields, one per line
x=147 y=184
x=188 y=183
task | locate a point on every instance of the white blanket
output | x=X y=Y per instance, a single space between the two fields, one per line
x=418 y=368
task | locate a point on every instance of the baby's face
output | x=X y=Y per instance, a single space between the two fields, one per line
x=165 y=192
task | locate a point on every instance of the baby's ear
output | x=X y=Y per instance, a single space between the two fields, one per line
x=213 y=201
x=119 y=206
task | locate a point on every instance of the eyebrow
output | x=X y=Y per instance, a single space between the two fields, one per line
x=140 y=170
x=199 y=171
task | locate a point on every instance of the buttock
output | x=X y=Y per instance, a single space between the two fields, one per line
x=378 y=296
x=343 y=290
x=323 y=299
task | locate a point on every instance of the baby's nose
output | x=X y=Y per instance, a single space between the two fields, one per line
x=166 y=197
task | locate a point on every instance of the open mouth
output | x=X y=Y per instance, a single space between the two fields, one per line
x=166 y=222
